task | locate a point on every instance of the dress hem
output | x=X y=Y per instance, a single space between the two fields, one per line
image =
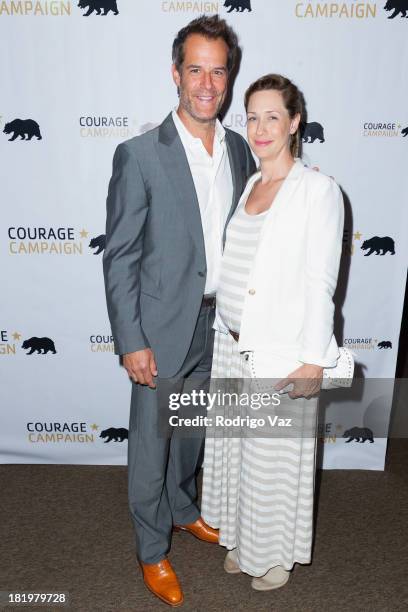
x=259 y=573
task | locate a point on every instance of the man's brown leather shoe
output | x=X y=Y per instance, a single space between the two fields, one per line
x=200 y=530
x=160 y=578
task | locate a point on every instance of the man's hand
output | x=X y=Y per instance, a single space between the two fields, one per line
x=141 y=367
x=306 y=381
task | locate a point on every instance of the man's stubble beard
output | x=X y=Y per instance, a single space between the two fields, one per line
x=186 y=105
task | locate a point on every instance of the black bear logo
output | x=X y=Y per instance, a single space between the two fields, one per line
x=98 y=5
x=238 y=5
x=23 y=127
x=404 y=132
x=385 y=344
x=117 y=435
x=355 y=433
x=312 y=131
x=398 y=6
x=377 y=244
x=41 y=345
x=98 y=243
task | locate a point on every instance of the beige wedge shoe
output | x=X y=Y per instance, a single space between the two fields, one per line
x=231 y=562
x=274 y=579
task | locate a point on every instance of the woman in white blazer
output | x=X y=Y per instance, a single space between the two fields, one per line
x=274 y=320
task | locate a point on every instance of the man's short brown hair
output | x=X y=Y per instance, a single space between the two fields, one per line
x=210 y=27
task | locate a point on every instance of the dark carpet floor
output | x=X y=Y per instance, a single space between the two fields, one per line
x=66 y=528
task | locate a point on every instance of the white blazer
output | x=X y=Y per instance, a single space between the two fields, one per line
x=288 y=308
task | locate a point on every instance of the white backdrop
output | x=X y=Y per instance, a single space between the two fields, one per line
x=90 y=82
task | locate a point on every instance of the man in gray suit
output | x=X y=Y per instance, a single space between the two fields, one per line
x=171 y=195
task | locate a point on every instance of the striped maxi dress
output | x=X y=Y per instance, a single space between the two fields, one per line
x=257 y=491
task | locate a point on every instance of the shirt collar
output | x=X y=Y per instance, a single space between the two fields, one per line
x=183 y=131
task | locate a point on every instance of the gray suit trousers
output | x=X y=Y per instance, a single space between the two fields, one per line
x=162 y=465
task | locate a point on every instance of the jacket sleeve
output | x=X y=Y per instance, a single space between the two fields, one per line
x=323 y=252
x=127 y=207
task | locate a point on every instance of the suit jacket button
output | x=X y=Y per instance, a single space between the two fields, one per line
x=201 y=274
x=252 y=292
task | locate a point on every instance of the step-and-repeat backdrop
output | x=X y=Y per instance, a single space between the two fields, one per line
x=77 y=78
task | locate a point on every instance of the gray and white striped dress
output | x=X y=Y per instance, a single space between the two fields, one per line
x=257 y=491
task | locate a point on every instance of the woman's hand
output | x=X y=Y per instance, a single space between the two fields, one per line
x=306 y=381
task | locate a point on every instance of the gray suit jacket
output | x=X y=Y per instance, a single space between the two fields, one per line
x=154 y=261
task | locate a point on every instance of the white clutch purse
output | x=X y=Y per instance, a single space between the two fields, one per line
x=341 y=375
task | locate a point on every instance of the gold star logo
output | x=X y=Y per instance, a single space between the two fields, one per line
x=16 y=336
x=357 y=236
x=94 y=427
x=83 y=233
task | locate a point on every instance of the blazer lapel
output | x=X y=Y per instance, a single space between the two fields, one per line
x=174 y=161
x=236 y=171
x=284 y=194
x=237 y=177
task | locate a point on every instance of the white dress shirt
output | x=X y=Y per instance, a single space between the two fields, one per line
x=213 y=184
